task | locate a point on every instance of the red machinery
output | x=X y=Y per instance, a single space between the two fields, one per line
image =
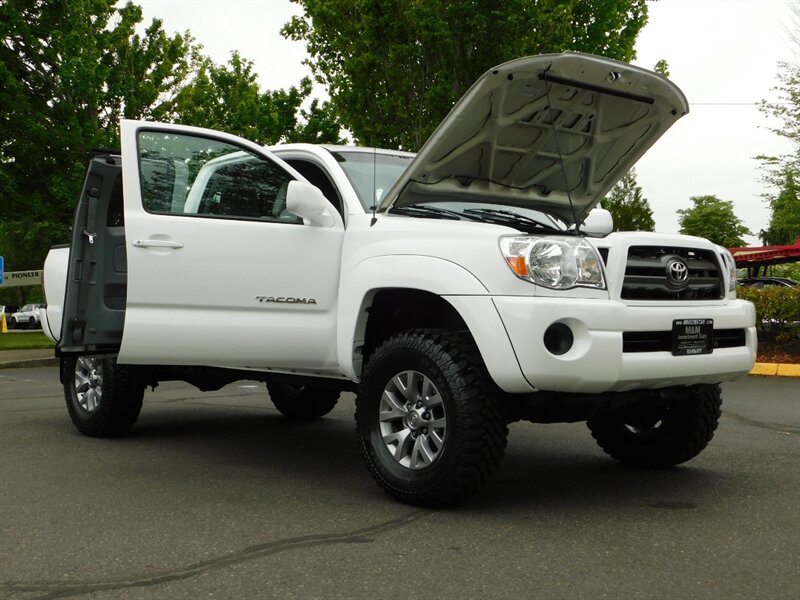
x=753 y=259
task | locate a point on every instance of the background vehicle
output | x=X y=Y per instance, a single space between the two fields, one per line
x=455 y=291
x=25 y=318
x=761 y=282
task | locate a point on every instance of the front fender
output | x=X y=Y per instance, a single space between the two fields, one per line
x=446 y=279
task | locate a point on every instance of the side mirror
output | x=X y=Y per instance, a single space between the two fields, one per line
x=598 y=222
x=306 y=201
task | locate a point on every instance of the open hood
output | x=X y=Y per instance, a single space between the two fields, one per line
x=538 y=130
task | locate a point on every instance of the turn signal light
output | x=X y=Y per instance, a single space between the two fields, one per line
x=517 y=264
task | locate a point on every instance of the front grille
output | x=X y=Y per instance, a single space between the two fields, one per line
x=661 y=341
x=646 y=274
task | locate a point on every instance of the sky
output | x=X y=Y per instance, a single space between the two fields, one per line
x=723 y=54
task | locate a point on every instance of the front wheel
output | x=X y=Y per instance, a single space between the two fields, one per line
x=664 y=435
x=429 y=422
x=103 y=398
x=302 y=402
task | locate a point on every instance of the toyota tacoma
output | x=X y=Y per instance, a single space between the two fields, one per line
x=454 y=291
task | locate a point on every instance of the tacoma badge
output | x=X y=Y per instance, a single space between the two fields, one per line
x=285 y=300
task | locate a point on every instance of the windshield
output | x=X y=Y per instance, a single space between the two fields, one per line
x=372 y=174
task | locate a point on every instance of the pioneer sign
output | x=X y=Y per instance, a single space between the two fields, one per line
x=20 y=278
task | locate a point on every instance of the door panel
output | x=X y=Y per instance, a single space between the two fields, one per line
x=94 y=302
x=219 y=272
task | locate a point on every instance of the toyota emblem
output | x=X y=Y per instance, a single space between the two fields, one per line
x=677 y=273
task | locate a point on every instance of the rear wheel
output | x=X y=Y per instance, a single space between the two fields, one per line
x=664 y=435
x=302 y=402
x=430 y=426
x=31 y=323
x=103 y=398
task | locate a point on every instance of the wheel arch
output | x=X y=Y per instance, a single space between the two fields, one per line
x=393 y=310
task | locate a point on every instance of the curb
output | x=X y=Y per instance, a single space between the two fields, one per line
x=776 y=370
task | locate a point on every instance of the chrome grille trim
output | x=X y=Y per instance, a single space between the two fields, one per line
x=646 y=274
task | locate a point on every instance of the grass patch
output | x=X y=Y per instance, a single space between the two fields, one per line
x=24 y=340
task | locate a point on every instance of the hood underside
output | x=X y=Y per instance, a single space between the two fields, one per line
x=538 y=131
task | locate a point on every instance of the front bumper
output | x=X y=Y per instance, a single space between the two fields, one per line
x=596 y=361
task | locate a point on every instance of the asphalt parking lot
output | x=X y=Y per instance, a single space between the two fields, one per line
x=217 y=496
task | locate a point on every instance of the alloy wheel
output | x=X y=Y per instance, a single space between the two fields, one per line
x=412 y=419
x=89 y=382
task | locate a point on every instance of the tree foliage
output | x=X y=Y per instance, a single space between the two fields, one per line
x=787 y=107
x=782 y=173
x=784 y=224
x=68 y=73
x=394 y=68
x=628 y=206
x=713 y=219
x=228 y=98
x=662 y=67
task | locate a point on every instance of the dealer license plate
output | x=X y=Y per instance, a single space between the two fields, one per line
x=692 y=336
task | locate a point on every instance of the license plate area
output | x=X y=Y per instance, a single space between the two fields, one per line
x=692 y=336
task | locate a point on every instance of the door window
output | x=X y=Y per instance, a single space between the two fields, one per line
x=193 y=175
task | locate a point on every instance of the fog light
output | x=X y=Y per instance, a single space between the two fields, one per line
x=558 y=339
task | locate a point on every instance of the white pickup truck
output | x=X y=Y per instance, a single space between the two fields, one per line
x=454 y=291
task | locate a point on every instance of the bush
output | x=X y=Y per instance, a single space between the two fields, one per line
x=777 y=310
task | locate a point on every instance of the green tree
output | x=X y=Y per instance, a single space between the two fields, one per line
x=394 y=68
x=782 y=173
x=713 y=219
x=662 y=68
x=628 y=206
x=786 y=109
x=784 y=224
x=317 y=125
x=68 y=72
x=228 y=98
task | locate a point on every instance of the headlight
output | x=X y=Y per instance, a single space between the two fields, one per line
x=558 y=263
x=730 y=263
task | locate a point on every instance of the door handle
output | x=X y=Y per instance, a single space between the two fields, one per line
x=157 y=244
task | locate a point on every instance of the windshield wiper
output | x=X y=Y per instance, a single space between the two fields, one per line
x=415 y=210
x=497 y=215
